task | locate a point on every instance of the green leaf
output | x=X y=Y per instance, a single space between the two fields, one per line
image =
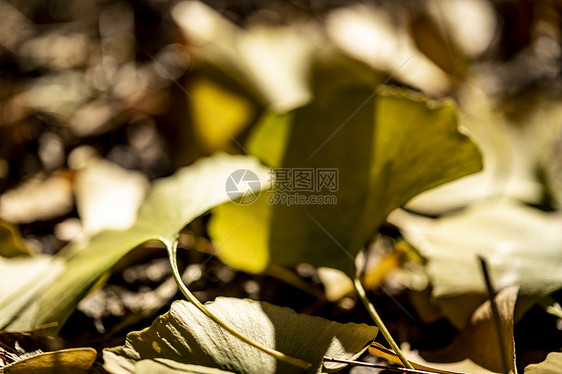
x=386 y=145
x=522 y=246
x=171 y=204
x=214 y=127
x=551 y=365
x=65 y=361
x=184 y=335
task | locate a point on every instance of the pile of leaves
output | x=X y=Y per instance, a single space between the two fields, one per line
x=392 y=162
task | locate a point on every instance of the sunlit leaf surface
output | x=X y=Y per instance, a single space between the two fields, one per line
x=185 y=335
x=551 y=365
x=522 y=246
x=164 y=366
x=171 y=204
x=383 y=147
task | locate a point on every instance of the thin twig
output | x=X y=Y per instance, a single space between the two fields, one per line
x=377 y=366
x=495 y=313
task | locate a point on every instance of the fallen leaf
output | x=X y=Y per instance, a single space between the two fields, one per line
x=16 y=346
x=384 y=147
x=215 y=132
x=108 y=196
x=22 y=279
x=171 y=204
x=10 y=241
x=522 y=245
x=185 y=335
x=476 y=349
x=479 y=340
x=164 y=366
x=65 y=361
x=380 y=351
x=510 y=159
x=551 y=365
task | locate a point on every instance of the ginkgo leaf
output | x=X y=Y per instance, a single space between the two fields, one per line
x=65 y=361
x=231 y=113
x=22 y=279
x=510 y=159
x=164 y=366
x=185 y=335
x=381 y=147
x=551 y=365
x=521 y=244
x=171 y=204
x=416 y=360
x=479 y=342
x=476 y=349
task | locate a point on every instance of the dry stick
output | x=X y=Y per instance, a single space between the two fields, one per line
x=495 y=313
x=378 y=321
x=172 y=254
x=377 y=366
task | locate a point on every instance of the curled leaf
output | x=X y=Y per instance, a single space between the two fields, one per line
x=185 y=335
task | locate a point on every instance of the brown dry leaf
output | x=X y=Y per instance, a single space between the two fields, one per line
x=65 y=361
x=379 y=351
x=430 y=39
x=15 y=346
x=476 y=348
x=479 y=341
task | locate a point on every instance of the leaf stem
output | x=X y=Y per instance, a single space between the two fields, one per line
x=378 y=321
x=172 y=254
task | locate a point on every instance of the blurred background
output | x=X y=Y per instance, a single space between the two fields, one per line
x=143 y=84
x=96 y=94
